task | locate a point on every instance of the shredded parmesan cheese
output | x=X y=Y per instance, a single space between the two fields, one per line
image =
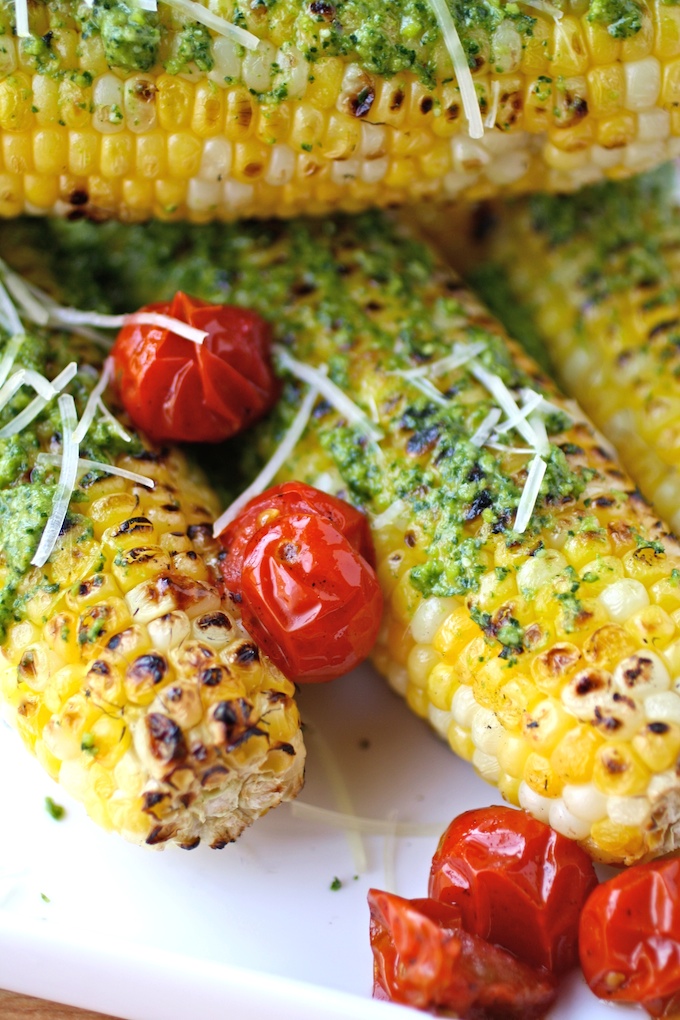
x=513 y=420
x=341 y=793
x=490 y=119
x=274 y=464
x=542 y=445
x=197 y=12
x=21 y=14
x=333 y=394
x=85 y=464
x=497 y=388
x=429 y=390
x=461 y=67
x=545 y=8
x=530 y=492
x=483 y=433
x=74 y=317
x=10 y=387
x=66 y=483
x=460 y=355
x=9 y=314
x=9 y=355
x=113 y=422
x=366 y=826
x=42 y=386
x=93 y=402
x=33 y=308
x=33 y=409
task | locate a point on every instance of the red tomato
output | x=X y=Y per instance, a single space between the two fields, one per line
x=517 y=882
x=629 y=939
x=174 y=389
x=422 y=957
x=309 y=598
x=290 y=497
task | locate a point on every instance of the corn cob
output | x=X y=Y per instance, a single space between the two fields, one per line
x=548 y=652
x=598 y=278
x=122 y=666
x=109 y=110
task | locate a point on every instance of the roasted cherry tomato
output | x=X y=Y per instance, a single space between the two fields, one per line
x=517 y=882
x=174 y=389
x=422 y=957
x=629 y=939
x=290 y=497
x=309 y=598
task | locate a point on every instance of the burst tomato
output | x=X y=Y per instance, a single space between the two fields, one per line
x=517 y=882
x=422 y=957
x=629 y=939
x=287 y=498
x=176 y=390
x=308 y=597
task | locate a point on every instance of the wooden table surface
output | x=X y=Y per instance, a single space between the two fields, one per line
x=21 y=1007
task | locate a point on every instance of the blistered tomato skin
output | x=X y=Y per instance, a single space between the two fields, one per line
x=423 y=958
x=290 y=497
x=309 y=598
x=179 y=391
x=629 y=937
x=517 y=882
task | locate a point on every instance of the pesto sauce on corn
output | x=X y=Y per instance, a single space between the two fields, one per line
x=383 y=39
x=27 y=488
x=366 y=303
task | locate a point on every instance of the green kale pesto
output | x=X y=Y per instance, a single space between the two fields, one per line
x=383 y=38
x=356 y=297
x=26 y=488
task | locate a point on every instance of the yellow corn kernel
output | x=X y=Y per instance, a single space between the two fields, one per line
x=324 y=86
x=657 y=745
x=619 y=772
x=239 y=115
x=541 y=777
x=460 y=741
x=208 y=113
x=611 y=842
x=570 y=54
x=545 y=725
x=83 y=152
x=442 y=684
x=174 y=102
x=574 y=757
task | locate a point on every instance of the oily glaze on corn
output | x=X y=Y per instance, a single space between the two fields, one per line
x=598 y=278
x=122 y=666
x=107 y=110
x=549 y=658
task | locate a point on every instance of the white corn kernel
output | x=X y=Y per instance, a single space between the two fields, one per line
x=439 y=720
x=281 y=165
x=463 y=706
x=294 y=70
x=486 y=731
x=487 y=766
x=534 y=803
x=429 y=616
x=215 y=159
x=227 y=62
x=643 y=83
x=538 y=570
x=107 y=98
x=632 y=811
x=257 y=67
x=585 y=801
x=654 y=125
x=397 y=678
x=623 y=598
x=663 y=707
x=641 y=674
x=563 y=821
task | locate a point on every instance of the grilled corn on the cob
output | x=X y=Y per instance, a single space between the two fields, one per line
x=122 y=666
x=108 y=109
x=598 y=277
x=533 y=599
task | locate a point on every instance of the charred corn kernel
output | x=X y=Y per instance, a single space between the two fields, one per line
x=608 y=325
x=126 y=684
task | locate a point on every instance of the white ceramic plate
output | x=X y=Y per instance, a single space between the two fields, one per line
x=253 y=931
